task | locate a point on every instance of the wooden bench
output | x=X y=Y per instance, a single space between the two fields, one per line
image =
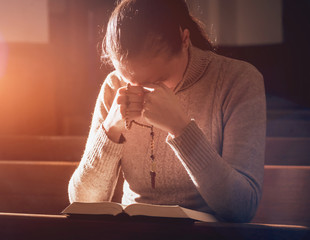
x=288 y=128
x=287 y=151
x=34 y=186
x=288 y=123
x=279 y=150
x=40 y=148
x=286 y=196
x=41 y=187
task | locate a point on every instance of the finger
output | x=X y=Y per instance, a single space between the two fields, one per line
x=135 y=90
x=146 y=114
x=147 y=105
x=122 y=91
x=133 y=107
x=130 y=98
x=138 y=90
x=148 y=97
x=130 y=109
x=121 y=99
x=132 y=114
x=133 y=98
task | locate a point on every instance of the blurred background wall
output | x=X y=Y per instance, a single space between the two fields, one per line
x=50 y=70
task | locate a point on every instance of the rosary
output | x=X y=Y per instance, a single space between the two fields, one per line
x=128 y=125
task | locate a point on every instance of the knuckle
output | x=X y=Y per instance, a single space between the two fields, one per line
x=121 y=91
x=122 y=111
x=119 y=99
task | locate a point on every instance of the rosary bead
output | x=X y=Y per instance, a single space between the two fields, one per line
x=128 y=126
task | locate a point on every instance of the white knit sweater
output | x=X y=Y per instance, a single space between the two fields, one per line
x=215 y=165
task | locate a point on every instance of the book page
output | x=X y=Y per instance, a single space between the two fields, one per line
x=201 y=216
x=172 y=211
x=97 y=208
x=154 y=210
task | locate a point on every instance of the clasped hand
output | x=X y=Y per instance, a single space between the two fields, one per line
x=156 y=103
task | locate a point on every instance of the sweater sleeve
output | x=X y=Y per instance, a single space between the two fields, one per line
x=96 y=176
x=231 y=181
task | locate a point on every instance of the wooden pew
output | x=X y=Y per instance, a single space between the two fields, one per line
x=34 y=186
x=286 y=196
x=288 y=128
x=288 y=123
x=40 y=148
x=279 y=150
x=41 y=187
x=287 y=151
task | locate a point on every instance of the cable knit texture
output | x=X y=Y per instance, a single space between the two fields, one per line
x=216 y=164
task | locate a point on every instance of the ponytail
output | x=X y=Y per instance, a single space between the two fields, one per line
x=198 y=36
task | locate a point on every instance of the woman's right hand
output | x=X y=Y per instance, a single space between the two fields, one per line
x=128 y=103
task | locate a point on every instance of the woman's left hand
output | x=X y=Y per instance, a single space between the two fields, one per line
x=162 y=109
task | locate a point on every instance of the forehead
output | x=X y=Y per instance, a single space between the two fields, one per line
x=144 y=69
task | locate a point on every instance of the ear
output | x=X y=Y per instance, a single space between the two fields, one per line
x=185 y=34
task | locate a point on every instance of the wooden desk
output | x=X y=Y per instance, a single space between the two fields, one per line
x=31 y=226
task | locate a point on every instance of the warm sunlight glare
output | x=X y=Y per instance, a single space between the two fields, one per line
x=3 y=56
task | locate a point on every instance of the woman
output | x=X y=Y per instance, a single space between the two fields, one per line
x=205 y=113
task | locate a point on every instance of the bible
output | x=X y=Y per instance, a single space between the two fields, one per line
x=137 y=209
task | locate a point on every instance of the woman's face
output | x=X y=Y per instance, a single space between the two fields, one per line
x=161 y=68
x=153 y=68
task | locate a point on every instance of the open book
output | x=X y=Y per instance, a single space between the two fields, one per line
x=137 y=209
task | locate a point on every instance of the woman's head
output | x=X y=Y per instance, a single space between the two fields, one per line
x=148 y=28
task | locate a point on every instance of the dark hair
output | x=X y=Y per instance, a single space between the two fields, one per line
x=140 y=25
